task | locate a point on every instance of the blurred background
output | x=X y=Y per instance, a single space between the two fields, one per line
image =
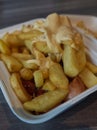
x=16 y=11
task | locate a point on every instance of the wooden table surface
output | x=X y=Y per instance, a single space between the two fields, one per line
x=82 y=116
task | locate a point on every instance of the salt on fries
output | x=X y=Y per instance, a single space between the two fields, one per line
x=47 y=63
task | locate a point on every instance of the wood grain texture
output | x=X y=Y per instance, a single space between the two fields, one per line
x=82 y=116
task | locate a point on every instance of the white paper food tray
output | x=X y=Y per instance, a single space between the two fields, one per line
x=13 y=102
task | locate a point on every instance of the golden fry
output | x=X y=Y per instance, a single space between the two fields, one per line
x=4 y=48
x=13 y=40
x=30 y=64
x=38 y=78
x=22 y=56
x=42 y=46
x=29 y=45
x=71 y=63
x=57 y=76
x=18 y=88
x=88 y=78
x=45 y=73
x=26 y=28
x=12 y=63
x=92 y=67
x=45 y=102
x=49 y=86
x=29 y=35
x=26 y=74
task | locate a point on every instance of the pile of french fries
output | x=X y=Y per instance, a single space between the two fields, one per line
x=47 y=63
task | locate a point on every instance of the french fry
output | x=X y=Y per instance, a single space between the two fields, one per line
x=26 y=74
x=49 y=86
x=57 y=76
x=53 y=26
x=30 y=64
x=4 y=38
x=45 y=102
x=92 y=67
x=71 y=63
x=22 y=56
x=29 y=35
x=4 y=48
x=88 y=78
x=18 y=88
x=16 y=32
x=45 y=73
x=12 y=63
x=29 y=45
x=38 y=78
x=42 y=47
x=65 y=20
x=13 y=40
x=26 y=28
